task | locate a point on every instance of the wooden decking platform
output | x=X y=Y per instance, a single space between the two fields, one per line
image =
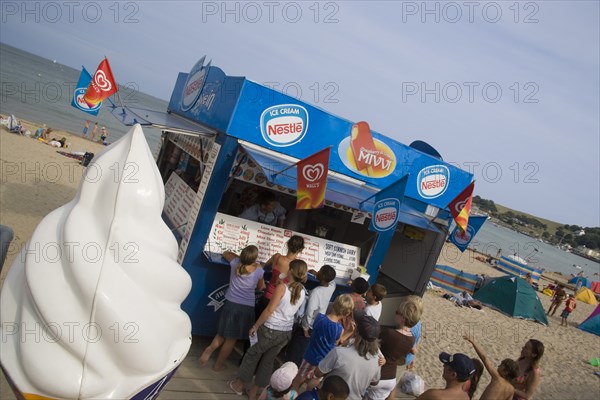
x=191 y=381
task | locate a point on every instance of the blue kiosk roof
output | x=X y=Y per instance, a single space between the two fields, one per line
x=277 y=130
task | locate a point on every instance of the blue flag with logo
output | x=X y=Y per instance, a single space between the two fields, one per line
x=386 y=210
x=78 y=102
x=462 y=239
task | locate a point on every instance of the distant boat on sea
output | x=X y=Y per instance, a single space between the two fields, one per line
x=516 y=258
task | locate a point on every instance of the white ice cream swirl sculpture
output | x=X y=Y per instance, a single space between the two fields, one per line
x=90 y=308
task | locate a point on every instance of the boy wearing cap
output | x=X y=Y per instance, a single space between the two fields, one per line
x=500 y=387
x=457 y=369
x=358 y=364
x=280 y=387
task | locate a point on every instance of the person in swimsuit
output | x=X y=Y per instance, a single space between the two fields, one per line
x=527 y=382
x=559 y=296
x=280 y=265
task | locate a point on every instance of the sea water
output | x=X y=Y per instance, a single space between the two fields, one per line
x=491 y=238
x=40 y=90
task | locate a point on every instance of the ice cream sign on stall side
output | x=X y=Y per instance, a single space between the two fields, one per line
x=284 y=125
x=365 y=155
x=385 y=214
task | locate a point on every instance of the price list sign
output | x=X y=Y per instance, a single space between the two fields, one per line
x=233 y=234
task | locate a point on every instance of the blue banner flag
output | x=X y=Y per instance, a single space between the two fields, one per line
x=78 y=102
x=386 y=210
x=462 y=239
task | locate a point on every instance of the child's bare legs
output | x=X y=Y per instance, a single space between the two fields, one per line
x=225 y=351
x=216 y=343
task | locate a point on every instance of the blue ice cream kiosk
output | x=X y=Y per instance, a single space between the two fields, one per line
x=227 y=138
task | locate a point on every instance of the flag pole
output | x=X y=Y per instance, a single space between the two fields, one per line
x=296 y=163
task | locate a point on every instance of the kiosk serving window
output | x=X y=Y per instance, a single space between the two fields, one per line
x=330 y=235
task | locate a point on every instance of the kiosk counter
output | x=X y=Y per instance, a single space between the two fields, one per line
x=227 y=139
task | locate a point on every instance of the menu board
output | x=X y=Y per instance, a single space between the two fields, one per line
x=233 y=234
x=198 y=199
x=179 y=198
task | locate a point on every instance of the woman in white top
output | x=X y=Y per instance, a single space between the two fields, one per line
x=274 y=330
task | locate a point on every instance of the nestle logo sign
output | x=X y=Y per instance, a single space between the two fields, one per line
x=385 y=214
x=194 y=84
x=284 y=125
x=433 y=181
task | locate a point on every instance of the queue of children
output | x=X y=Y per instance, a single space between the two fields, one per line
x=325 y=369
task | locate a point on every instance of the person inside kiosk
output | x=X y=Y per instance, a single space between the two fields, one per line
x=332 y=222
x=267 y=210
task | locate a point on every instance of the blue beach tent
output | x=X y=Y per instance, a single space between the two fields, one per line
x=592 y=323
x=513 y=296
x=585 y=281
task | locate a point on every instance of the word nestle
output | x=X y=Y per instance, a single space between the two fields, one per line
x=282 y=129
x=389 y=216
x=433 y=184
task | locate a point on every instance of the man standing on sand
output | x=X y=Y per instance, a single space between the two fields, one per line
x=500 y=387
x=94 y=131
x=86 y=127
x=457 y=370
x=559 y=296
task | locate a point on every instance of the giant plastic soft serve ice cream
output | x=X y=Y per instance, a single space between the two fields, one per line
x=91 y=306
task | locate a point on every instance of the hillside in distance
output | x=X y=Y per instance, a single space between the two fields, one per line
x=550 y=231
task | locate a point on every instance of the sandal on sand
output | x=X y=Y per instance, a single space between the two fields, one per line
x=230 y=384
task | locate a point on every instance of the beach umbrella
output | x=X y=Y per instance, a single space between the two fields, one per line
x=513 y=296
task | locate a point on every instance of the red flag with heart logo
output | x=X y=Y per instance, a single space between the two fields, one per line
x=312 y=180
x=102 y=86
x=460 y=207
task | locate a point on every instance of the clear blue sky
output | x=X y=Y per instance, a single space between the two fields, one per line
x=508 y=89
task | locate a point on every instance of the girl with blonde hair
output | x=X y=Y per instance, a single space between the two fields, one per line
x=237 y=315
x=273 y=329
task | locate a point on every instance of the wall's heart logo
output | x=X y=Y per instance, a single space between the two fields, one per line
x=313 y=172
x=102 y=82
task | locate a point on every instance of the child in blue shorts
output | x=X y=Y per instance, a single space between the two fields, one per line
x=327 y=332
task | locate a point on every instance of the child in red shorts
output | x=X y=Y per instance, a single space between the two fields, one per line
x=569 y=307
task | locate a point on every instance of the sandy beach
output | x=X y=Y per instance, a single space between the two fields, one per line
x=36 y=180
